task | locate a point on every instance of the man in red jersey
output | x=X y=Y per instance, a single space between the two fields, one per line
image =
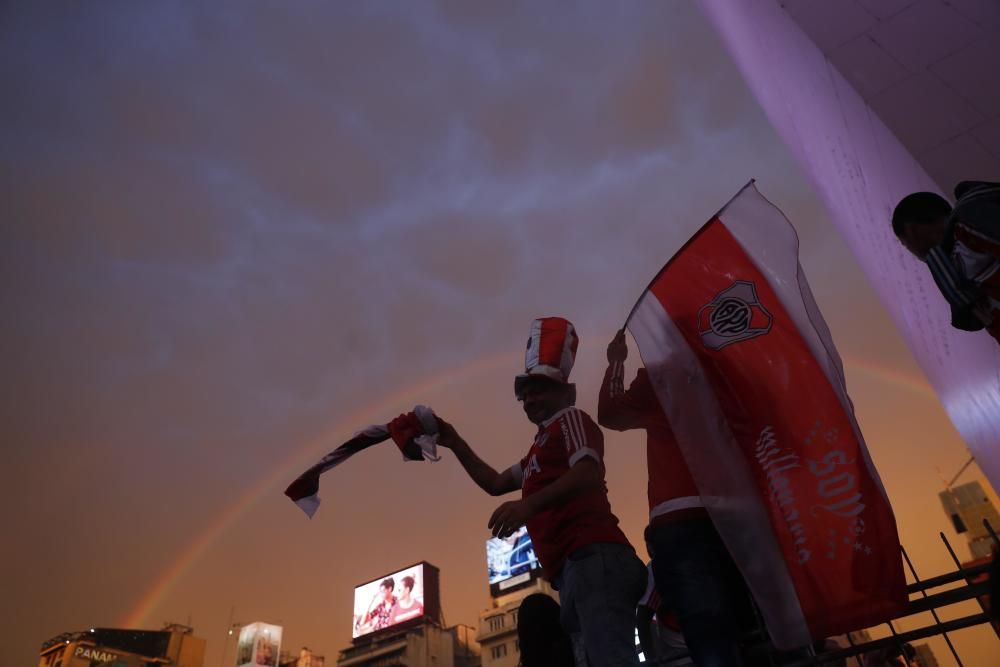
x=564 y=503
x=692 y=569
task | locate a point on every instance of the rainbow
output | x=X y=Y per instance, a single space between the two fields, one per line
x=301 y=458
x=303 y=455
x=916 y=384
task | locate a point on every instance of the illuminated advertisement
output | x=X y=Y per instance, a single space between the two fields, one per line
x=511 y=562
x=396 y=598
x=259 y=645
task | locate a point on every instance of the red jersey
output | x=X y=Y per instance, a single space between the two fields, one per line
x=671 y=486
x=563 y=440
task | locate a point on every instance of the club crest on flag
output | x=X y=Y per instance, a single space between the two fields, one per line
x=734 y=315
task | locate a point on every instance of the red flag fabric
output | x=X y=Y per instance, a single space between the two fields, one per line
x=415 y=433
x=746 y=371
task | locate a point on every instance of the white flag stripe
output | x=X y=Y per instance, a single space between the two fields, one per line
x=773 y=245
x=770 y=240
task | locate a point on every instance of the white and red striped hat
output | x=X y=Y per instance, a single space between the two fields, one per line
x=551 y=351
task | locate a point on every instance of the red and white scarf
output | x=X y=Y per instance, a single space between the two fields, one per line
x=415 y=433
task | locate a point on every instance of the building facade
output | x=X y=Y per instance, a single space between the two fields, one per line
x=425 y=644
x=498 y=625
x=967 y=505
x=305 y=658
x=174 y=646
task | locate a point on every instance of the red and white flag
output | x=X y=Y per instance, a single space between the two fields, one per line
x=415 y=433
x=746 y=371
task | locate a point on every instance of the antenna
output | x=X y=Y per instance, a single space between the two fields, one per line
x=225 y=637
x=944 y=480
x=960 y=471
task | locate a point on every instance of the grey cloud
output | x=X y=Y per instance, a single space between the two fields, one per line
x=232 y=224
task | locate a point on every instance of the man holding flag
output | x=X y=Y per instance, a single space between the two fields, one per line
x=744 y=368
x=564 y=503
x=693 y=571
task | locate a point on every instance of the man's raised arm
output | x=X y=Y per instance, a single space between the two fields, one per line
x=489 y=480
x=618 y=409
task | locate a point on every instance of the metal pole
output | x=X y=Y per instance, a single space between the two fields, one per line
x=895 y=637
x=961 y=470
x=225 y=638
x=958 y=564
x=937 y=621
x=888 y=642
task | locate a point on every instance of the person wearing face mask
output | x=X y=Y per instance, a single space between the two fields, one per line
x=961 y=247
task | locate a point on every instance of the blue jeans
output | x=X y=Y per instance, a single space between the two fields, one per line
x=599 y=588
x=697 y=580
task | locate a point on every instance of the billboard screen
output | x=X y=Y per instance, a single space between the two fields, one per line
x=396 y=598
x=259 y=645
x=511 y=562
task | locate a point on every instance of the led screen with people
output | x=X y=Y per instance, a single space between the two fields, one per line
x=511 y=561
x=390 y=600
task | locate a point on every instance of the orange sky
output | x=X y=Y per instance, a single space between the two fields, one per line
x=235 y=235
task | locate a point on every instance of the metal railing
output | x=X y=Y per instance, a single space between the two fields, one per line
x=930 y=600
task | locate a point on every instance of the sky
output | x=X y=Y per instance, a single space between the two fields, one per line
x=236 y=233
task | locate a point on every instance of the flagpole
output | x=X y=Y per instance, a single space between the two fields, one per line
x=751 y=183
x=965 y=467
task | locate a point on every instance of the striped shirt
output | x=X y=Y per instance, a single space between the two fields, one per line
x=966 y=268
x=671 y=487
x=563 y=440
